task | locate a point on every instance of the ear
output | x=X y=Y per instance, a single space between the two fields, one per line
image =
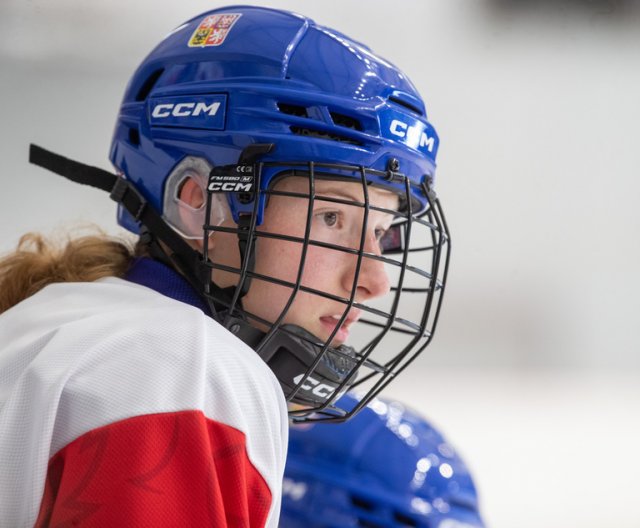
x=191 y=193
x=191 y=209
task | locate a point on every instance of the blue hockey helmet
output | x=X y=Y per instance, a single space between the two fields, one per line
x=241 y=75
x=240 y=97
x=387 y=467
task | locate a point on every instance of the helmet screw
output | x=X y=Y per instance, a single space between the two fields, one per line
x=393 y=165
x=235 y=328
x=245 y=198
x=428 y=180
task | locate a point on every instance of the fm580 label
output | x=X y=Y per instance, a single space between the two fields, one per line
x=227 y=183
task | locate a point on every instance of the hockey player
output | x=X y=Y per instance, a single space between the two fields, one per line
x=385 y=468
x=279 y=176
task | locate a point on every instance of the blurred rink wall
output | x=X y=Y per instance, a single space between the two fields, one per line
x=534 y=372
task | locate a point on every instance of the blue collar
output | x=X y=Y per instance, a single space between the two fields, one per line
x=155 y=275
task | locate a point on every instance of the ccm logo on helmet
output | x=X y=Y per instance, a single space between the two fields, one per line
x=189 y=111
x=184 y=109
x=413 y=135
x=322 y=390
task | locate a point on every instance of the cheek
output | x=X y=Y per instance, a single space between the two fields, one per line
x=225 y=251
x=322 y=267
x=281 y=260
x=277 y=258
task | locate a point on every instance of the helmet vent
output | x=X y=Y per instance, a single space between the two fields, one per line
x=134 y=137
x=294 y=110
x=403 y=520
x=365 y=523
x=148 y=85
x=363 y=504
x=338 y=119
x=323 y=134
x=346 y=121
x=406 y=104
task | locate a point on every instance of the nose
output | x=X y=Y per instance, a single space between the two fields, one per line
x=373 y=280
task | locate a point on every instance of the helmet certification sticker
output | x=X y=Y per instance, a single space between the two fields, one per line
x=213 y=30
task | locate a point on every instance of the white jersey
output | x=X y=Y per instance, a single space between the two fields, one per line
x=122 y=407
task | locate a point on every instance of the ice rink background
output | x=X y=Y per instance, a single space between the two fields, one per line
x=535 y=371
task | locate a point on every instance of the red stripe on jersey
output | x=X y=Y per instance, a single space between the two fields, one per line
x=172 y=469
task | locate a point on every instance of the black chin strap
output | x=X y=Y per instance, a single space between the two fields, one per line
x=183 y=257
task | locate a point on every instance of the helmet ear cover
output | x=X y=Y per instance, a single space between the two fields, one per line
x=186 y=220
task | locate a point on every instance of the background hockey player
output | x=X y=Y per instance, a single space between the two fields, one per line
x=386 y=468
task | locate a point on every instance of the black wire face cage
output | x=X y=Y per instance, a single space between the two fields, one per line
x=391 y=330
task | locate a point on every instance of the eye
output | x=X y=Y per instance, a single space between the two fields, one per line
x=380 y=232
x=330 y=218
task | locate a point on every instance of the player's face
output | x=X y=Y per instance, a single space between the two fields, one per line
x=326 y=270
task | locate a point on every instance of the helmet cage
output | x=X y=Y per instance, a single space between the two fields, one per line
x=415 y=239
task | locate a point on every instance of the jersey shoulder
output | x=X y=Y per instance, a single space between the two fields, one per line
x=83 y=356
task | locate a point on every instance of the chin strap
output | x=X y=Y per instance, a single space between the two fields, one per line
x=182 y=256
x=290 y=352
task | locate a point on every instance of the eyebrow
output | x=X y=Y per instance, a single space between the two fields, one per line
x=334 y=191
x=339 y=193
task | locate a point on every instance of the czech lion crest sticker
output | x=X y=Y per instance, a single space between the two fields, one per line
x=213 y=30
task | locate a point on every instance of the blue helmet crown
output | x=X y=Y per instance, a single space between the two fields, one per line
x=242 y=75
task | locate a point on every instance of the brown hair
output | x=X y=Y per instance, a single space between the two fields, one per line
x=38 y=261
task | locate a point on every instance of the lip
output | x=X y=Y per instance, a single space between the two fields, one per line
x=329 y=322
